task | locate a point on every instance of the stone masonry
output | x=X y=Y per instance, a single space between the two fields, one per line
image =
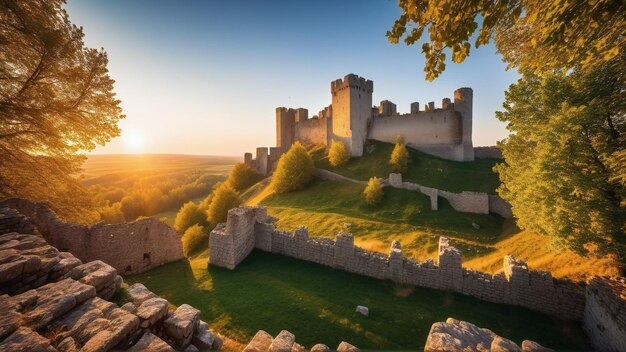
x=131 y=248
x=456 y=335
x=516 y=285
x=600 y=305
x=605 y=313
x=52 y=301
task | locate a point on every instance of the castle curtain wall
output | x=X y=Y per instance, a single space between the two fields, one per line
x=312 y=131
x=438 y=132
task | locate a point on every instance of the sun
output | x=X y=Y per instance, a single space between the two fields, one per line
x=134 y=141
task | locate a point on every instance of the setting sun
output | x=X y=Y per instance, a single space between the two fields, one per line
x=134 y=141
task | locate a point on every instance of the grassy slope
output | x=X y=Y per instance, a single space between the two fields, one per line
x=316 y=303
x=325 y=206
x=424 y=169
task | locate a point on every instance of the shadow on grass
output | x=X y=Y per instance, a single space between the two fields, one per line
x=316 y=303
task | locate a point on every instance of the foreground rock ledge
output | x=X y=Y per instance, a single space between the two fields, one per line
x=456 y=335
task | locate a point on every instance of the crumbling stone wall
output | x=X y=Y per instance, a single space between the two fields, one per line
x=517 y=285
x=265 y=162
x=231 y=242
x=468 y=202
x=51 y=301
x=130 y=248
x=605 y=313
x=500 y=206
x=491 y=152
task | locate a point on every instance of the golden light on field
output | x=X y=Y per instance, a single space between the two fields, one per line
x=134 y=141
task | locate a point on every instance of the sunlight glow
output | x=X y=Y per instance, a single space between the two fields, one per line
x=134 y=141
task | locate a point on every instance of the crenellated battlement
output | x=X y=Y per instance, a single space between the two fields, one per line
x=516 y=285
x=352 y=81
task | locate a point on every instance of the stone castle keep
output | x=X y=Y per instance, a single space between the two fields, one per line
x=444 y=132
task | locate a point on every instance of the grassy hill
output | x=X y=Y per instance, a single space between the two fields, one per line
x=316 y=303
x=424 y=169
x=328 y=207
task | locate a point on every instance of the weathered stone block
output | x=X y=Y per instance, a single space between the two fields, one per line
x=181 y=324
x=260 y=342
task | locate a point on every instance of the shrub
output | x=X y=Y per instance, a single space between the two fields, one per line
x=224 y=198
x=193 y=238
x=112 y=213
x=294 y=170
x=338 y=154
x=189 y=215
x=243 y=176
x=373 y=192
x=399 y=157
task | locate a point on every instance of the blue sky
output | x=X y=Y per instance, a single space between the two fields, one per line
x=204 y=77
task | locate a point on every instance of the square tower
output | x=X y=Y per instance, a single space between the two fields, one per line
x=285 y=121
x=463 y=99
x=352 y=111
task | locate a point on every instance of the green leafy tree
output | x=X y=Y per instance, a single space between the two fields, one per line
x=189 y=215
x=399 y=159
x=56 y=102
x=224 y=198
x=562 y=173
x=294 y=170
x=243 y=176
x=338 y=154
x=538 y=36
x=193 y=239
x=373 y=192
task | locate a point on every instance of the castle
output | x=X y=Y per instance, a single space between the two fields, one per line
x=445 y=132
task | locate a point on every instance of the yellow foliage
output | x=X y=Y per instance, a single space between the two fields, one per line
x=294 y=170
x=338 y=154
x=373 y=192
x=243 y=176
x=189 y=215
x=399 y=158
x=193 y=238
x=224 y=198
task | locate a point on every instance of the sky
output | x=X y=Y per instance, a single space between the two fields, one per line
x=205 y=77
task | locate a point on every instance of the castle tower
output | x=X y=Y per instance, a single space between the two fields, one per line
x=463 y=104
x=352 y=110
x=285 y=121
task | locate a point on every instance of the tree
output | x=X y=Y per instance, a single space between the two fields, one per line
x=338 y=154
x=562 y=174
x=56 y=102
x=294 y=170
x=243 y=176
x=193 y=238
x=399 y=159
x=224 y=198
x=373 y=192
x=538 y=36
x=188 y=215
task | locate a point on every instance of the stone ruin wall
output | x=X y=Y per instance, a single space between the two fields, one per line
x=517 y=285
x=491 y=152
x=605 y=313
x=131 y=248
x=265 y=160
x=52 y=301
x=468 y=202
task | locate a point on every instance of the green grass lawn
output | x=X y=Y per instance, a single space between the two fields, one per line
x=424 y=169
x=316 y=303
x=408 y=209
